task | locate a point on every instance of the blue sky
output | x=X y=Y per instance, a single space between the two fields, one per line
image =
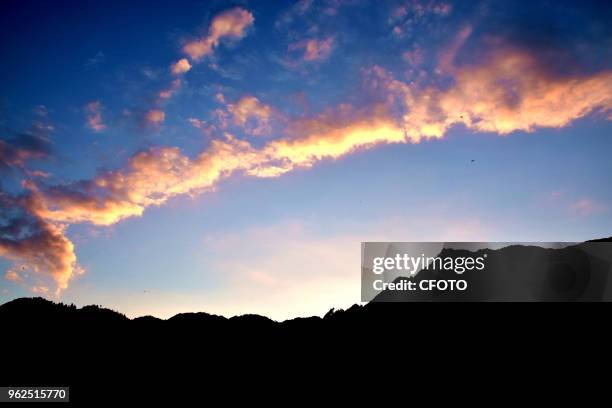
x=230 y=157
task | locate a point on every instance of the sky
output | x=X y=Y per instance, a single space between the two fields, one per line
x=229 y=157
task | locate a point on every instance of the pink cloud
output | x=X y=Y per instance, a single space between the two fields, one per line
x=229 y=24
x=171 y=90
x=155 y=116
x=314 y=49
x=207 y=128
x=587 y=206
x=251 y=114
x=180 y=67
x=413 y=57
x=196 y=123
x=94 y=116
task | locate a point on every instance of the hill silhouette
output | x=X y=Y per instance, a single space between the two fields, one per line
x=50 y=343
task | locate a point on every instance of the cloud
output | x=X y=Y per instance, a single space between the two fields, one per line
x=42 y=111
x=170 y=91
x=207 y=129
x=296 y=10
x=328 y=140
x=570 y=203
x=413 y=57
x=509 y=92
x=568 y=38
x=197 y=123
x=252 y=115
x=155 y=116
x=95 y=60
x=150 y=178
x=406 y=16
x=94 y=116
x=15 y=151
x=35 y=246
x=153 y=176
x=180 y=67
x=314 y=49
x=587 y=206
x=229 y=24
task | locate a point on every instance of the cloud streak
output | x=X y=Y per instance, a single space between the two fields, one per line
x=231 y=24
x=153 y=176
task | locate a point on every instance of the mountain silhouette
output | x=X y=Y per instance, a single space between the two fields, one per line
x=48 y=343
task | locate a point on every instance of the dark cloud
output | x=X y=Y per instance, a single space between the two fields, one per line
x=37 y=247
x=568 y=37
x=16 y=149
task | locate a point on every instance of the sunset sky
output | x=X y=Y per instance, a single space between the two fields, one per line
x=229 y=157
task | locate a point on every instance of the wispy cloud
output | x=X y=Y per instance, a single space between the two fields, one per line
x=94 y=116
x=230 y=24
x=169 y=92
x=587 y=206
x=16 y=150
x=314 y=49
x=95 y=60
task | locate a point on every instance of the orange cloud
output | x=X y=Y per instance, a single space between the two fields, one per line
x=94 y=116
x=314 y=50
x=253 y=115
x=230 y=24
x=155 y=116
x=158 y=174
x=40 y=248
x=509 y=92
x=180 y=67
x=150 y=178
x=330 y=143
